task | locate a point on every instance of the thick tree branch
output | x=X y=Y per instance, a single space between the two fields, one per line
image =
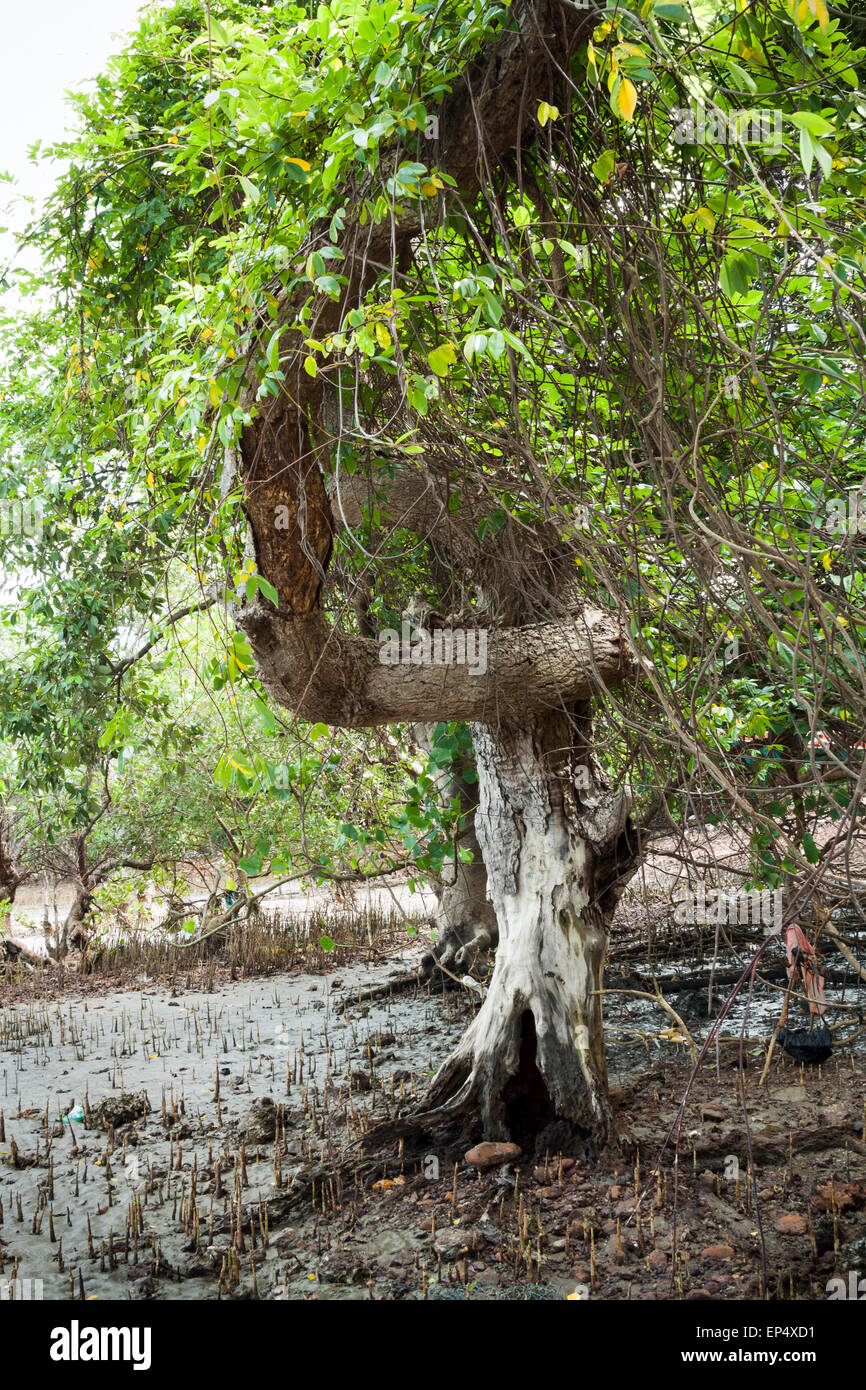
x=323 y=674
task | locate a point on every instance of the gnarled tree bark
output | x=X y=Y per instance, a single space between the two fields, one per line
x=559 y=849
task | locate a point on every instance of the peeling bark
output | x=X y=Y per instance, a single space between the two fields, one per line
x=558 y=851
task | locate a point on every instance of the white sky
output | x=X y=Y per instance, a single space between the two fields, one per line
x=50 y=48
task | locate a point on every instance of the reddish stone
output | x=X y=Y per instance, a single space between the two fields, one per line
x=490 y=1155
x=792 y=1225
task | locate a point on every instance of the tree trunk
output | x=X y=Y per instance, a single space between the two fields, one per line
x=73 y=934
x=559 y=849
x=465 y=920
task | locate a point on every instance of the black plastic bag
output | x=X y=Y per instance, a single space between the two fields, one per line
x=810 y=1045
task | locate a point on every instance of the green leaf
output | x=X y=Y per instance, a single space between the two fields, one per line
x=547 y=112
x=442 y=358
x=265 y=714
x=604 y=165
x=811 y=121
x=476 y=346
x=267 y=588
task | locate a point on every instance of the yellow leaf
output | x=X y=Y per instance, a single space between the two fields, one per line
x=310 y=366
x=301 y=163
x=703 y=218
x=383 y=337
x=547 y=112
x=625 y=99
x=826 y=559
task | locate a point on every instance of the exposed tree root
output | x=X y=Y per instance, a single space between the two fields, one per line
x=11 y=953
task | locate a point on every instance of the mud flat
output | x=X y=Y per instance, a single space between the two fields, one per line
x=211 y=1160
x=195 y=1107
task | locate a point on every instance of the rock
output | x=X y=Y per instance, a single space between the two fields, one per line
x=490 y=1155
x=712 y=1112
x=792 y=1225
x=718 y=1252
x=260 y=1124
x=657 y=1260
x=114 y=1111
x=708 y=1180
x=845 y=1195
x=450 y=1242
x=360 y=1081
x=695 y=1294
